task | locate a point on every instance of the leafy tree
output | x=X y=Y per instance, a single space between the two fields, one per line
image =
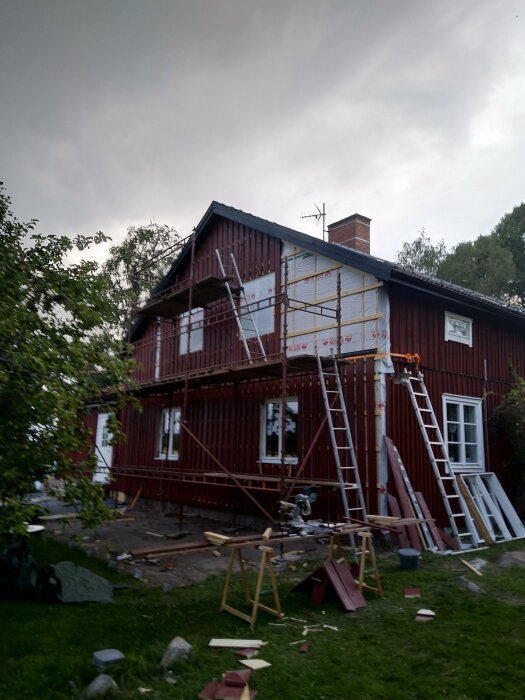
x=55 y=341
x=510 y=234
x=510 y=421
x=482 y=265
x=422 y=255
x=136 y=265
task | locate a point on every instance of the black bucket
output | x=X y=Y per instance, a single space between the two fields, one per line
x=409 y=559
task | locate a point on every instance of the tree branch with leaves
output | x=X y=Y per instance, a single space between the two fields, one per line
x=56 y=342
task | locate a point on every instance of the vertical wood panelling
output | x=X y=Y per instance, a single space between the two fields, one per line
x=228 y=421
x=418 y=326
x=256 y=254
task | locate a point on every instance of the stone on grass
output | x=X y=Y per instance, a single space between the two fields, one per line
x=100 y=686
x=105 y=658
x=79 y=585
x=178 y=650
x=512 y=559
x=469 y=585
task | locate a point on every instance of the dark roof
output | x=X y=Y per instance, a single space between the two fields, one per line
x=448 y=291
x=382 y=269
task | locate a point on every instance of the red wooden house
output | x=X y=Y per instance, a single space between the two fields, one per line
x=233 y=415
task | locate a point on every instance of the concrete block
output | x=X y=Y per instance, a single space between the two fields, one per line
x=105 y=658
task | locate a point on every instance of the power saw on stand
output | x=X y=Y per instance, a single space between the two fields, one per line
x=295 y=512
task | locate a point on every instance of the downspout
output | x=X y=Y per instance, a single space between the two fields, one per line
x=382 y=367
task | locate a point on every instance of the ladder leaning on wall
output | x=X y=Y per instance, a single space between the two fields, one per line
x=463 y=527
x=341 y=440
x=243 y=317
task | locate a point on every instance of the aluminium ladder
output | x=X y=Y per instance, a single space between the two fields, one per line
x=244 y=319
x=342 y=443
x=461 y=522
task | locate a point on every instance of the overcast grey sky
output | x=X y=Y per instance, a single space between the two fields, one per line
x=411 y=112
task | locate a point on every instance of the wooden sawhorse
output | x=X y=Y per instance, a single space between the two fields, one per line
x=256 y=605
x=364 y=552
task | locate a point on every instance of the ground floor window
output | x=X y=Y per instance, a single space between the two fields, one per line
x=169 y=434
x=273 y=442
x=463 y=432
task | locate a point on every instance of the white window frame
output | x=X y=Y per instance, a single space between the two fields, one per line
x=458 y=329
x=193 y=319
x=275 y=459
x=463 y=466
x=258 y=298
x=169 y=433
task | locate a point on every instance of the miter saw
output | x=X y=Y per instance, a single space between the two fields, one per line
x=301 y=507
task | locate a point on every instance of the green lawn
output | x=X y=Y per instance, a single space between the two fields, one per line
x=475 y=648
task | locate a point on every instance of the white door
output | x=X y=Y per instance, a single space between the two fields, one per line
x=103 y=450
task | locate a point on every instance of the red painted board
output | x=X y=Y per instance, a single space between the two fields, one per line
x=404 y=500
x=401 y=531
x=436 y=536
x=343 y=570
x=339 y=587
x=448 y=539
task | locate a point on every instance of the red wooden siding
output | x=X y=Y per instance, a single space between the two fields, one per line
x=256 y=255
x=227 y=420
x=480 y=371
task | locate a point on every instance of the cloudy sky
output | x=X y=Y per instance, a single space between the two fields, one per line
x=411 y=112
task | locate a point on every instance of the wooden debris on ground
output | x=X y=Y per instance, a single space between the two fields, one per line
x=232 y=686
x=237 y=643
x=247 y=653
x=255 y=664
x=425 y=615
x=472 y=568
x=412 y=593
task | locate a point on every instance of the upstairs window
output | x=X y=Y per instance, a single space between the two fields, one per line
x=273 y=443
x=463 y=432
x=458 y=328
x=169 y=434
x=257 y=306
x=191 y=331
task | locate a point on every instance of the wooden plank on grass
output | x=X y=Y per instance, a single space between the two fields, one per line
x=236 y=643
x=436 y=536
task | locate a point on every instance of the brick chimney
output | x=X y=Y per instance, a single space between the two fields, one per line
x=352 y=232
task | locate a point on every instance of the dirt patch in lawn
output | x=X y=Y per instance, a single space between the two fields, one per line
x=147 y=527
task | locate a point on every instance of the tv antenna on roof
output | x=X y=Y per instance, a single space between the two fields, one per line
x=320 y=215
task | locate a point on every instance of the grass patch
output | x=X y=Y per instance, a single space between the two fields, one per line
x=472 y=650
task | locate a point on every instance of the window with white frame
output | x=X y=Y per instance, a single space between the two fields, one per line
x=458 y=328
x=273 y=443
x=192 y=321
x=463 y=432
x=257 y=306
x=169 y=434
